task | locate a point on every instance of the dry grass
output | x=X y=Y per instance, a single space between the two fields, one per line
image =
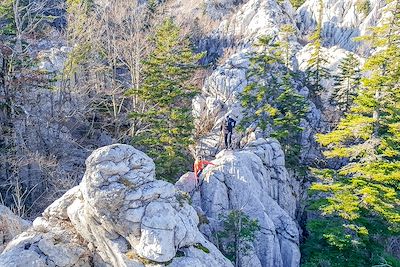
x=205 y=127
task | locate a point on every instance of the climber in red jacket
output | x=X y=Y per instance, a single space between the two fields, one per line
x=199 y=165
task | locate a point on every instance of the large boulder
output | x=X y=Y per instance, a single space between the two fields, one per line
x=255 y=181
x=119 y=215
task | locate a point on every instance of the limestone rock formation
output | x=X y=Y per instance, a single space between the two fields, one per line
x=342 y=19
x=11 y=225
x=255 y=181
x=255 y=18
x=221 y=90
x=119 y=215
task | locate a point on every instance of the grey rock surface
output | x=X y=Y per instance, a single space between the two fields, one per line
x=11 y=225
x=343 y=20
x=255 y=181
x=119 y=215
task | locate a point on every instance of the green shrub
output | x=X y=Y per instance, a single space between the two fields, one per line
x=295 y=3
x=363 y=6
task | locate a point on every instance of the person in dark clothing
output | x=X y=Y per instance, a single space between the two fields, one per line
x=227 y=129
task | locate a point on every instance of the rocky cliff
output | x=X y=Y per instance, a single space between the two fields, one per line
x=119 y=215
x=231 y=189
x=343 y=20
x=235 y=36
x=255 y=181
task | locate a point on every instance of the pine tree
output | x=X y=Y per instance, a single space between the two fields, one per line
x=287 y=32
x=239 y=230
x=363 y=6
x=167 y=92
x=257 y=96
x=271 y=100
x=77 y=11
x=316 y=70
x=287 y=130
x=347 y=83
x=366 y=188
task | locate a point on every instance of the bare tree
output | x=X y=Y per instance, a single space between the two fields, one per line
x=116 y=34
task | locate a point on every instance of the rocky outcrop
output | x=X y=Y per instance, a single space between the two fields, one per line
x=221 y=90
x=11 y=225
x=342 y=20
x=239 y=179
x=119 y=215
x=255 y=181
x=256 y=18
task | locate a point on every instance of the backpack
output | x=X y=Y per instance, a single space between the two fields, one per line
x=229 y=124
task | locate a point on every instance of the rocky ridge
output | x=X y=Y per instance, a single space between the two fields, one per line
x=119 y=215
x=254 y=18
x=343 y=20
x=220 y=97
x=255 y=181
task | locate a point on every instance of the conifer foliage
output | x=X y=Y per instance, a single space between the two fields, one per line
x=239 y=230
x=167 y=92
x=316 y=66
x=347 y=83
x=271 y=99
x=366 y=188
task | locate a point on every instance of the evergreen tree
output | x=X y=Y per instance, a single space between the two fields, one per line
x=366 y=188
x=238 y=232
x=271 y=100
x=167 y=92
x=6 y=18
x=316 y=70
x=77 y=11
x=292 y=108
x=363 y=6
x=347 y=83
x=287 y=32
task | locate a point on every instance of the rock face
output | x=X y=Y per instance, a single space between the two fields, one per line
x=255 y=181
x=220 y=93
x=342 y=19
x=119 y=215
x=10 y=226
x=255 y=18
